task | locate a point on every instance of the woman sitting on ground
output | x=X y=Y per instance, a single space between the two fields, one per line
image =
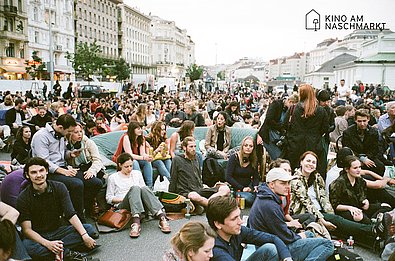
x=160 y=151
x=348 y=194
x=193 y=115
x=242 y=171
x=89 y=159
x=218 y=138
x=194 y=242
x=118 y=122
x=126 y=190
x=308 y=191
x=134 y=143
x=140 y=114
x=22 y=146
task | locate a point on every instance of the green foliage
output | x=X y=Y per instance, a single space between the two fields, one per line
x=221 y=75
x=35 y=68
x=194 y=72
x=86 y=60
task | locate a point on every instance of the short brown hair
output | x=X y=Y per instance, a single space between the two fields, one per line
x=362 y=113
x=219 y=208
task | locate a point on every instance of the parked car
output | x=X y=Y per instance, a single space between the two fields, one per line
x=94 y=91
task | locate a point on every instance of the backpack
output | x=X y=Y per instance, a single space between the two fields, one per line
x=212 y=172
x=343 y=254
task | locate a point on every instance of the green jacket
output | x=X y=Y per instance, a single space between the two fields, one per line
x=300 y=200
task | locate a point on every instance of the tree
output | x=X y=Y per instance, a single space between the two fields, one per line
x=36 y=67
x=194 y=72
x=221 y=75
x=86 y=60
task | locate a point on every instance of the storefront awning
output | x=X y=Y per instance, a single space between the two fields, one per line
x=13 y=69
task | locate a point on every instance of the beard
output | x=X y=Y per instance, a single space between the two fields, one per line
x=190 y=155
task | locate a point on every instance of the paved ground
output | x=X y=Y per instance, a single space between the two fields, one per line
x=152 y=243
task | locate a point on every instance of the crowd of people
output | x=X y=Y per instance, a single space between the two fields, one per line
x=303 y=201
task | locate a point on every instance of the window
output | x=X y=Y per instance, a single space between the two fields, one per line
x=35 y=14
x=36 y=37
x=10 y=50
x=20 y=5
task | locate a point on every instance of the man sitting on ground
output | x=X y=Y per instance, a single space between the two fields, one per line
x=267 y=215
x=42 y=205
x=223 y=215
x=186 y=177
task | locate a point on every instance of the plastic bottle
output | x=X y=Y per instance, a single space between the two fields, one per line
x=350 y=242
x=188 y=203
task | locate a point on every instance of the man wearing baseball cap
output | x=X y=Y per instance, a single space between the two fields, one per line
x=267 y=215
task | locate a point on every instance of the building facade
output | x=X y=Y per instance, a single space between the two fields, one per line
x=60 y=13
x=13 y=39
x=134 y=39
x=172 y=49
x=97 y=21
x=292 y=66
x=376 y=63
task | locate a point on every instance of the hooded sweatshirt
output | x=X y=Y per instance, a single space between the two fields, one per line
x=267 y=215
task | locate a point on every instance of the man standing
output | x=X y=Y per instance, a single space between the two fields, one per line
x=267 y=215
x=342 y=93
x=186 y=177
x=223 y=215
x=49 y=143
x=175 y=117
x=42 y=205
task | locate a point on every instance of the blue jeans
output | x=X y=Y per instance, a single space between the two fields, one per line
x=82 y=191
x=248 y=196
x=273 y=150
x=20 y=252
x=163 y=167
x=267 y=251
x=147 y=171
x=310 y=249
x=67 y=234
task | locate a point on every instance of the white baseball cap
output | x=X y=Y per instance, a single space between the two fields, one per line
x=278 y=174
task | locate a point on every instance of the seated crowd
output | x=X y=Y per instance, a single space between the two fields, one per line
x=296 y=207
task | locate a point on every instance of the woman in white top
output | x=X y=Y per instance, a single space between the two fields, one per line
x=126 y=189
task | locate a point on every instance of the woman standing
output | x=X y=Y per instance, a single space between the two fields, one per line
x=194 y=242
x=134 y=143
x=160 y=151
x=307 y=123
x=242 y=171
x=126 y=190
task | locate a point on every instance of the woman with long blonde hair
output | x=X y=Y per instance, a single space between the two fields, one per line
x=307 y=122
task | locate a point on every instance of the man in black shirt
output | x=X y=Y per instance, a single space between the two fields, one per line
x=175 y=117
x=42 y=206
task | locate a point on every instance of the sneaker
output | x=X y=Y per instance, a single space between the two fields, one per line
x=77 y=256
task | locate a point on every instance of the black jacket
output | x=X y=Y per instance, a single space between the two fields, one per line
x=272 y=120
x=369 y=146
x=10 y=116
x=197 y=118
x=305 y=133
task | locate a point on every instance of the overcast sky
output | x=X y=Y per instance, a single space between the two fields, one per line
x=232 y=29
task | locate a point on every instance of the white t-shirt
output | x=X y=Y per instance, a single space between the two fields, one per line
x=119 y=184
x=342 y=91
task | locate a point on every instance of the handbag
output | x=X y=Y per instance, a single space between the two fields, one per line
x=115 y=218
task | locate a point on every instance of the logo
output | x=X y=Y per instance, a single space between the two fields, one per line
x=340 y=22
x=313 y=20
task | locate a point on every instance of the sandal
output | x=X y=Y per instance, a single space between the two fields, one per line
x=135 y=231
x=164 y=226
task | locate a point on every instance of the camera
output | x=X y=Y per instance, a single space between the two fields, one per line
x=281 y=142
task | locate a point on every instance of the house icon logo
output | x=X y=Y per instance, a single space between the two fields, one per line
x=313 y=21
